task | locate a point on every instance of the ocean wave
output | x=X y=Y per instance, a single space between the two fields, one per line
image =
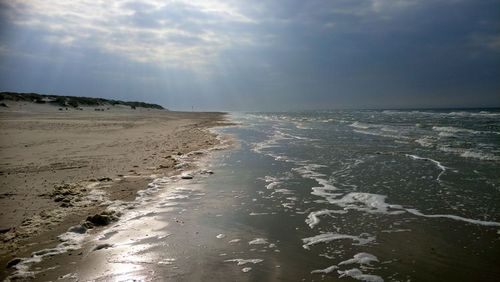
x=375 y=203
x=455 y=217
x=375 y=133
x=361 y=125
x=474 y=114
x=274 y=140
x=453 y=130
x=383 y=127
x=437 y=163
x=470 y=153
x=426 y=141
x=382 y=130
x=484 y=114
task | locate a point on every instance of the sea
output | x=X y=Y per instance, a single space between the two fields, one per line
x=334 y=195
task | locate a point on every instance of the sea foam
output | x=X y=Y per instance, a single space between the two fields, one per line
x=359 y=275
x=362 y=239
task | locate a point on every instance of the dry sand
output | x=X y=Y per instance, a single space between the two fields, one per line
x=50 y=160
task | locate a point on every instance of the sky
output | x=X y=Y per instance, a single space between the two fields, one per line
x=271 y=55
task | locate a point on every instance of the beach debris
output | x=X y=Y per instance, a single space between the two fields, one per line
x=13 y=262
x=102 y=219
x=67 y=194
x=206 y=171
x=80 y=229
x=102 y=246
x=187 y=176
x=196 y=153
x=180 y=165
x=5 y=230
x=220 y=236
x=105 y=179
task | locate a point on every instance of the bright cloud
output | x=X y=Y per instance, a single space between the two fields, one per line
x=172 y=33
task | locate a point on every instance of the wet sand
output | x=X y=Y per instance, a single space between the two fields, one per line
x=58 y=167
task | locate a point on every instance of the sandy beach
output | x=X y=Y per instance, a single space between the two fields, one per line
x=52 y=161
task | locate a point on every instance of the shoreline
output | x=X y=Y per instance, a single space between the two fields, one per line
x=69 y=191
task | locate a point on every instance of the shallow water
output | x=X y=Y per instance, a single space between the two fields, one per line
x=341 y=195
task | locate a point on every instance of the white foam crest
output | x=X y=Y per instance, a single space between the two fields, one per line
x=244 y=261
x=470 y=153
x=374 y=203
x=381 y=130
x=361 y=258
x=426 y=141
x=258 y=241
x=313 y=217
x=362 y=239
x=283 y=191
x=367 y=202
x=327 y=270
x=437 y=163
x=301 y=125
x=325 y=188
x=258 y=213
x=374 y=133
x=452 y=129
x=361 y=125
x=460 y=114
x=455 y=217
x=272 y=182
x=473 y=114
x=292 y=136
x=359 y=275
x=70 y=240
x=271 y=142
x=395 y=112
